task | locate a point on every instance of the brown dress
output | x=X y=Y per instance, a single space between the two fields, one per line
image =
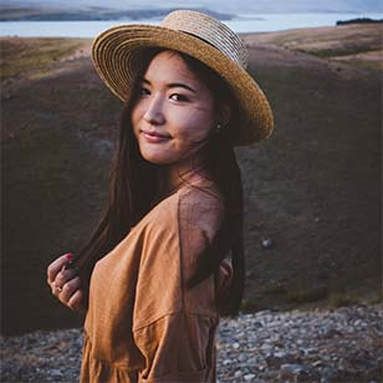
x=142 y=324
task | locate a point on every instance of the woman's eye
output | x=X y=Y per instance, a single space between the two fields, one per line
x=178 y=97
x=143 y=91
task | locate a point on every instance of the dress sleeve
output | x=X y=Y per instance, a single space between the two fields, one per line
x=179 y=346
x=200 y=216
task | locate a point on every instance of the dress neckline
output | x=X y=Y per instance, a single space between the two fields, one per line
x=198 y=182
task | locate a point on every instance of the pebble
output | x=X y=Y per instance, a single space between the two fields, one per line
x=237 y=374
x=323 y=346
x=267 y=243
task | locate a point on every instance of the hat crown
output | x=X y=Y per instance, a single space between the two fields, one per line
x=209 y=30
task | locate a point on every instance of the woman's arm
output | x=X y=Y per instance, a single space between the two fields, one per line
x=174 y=325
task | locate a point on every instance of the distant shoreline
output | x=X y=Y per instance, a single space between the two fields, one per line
x=93 y=14
x=359 y=20
x=240 y=23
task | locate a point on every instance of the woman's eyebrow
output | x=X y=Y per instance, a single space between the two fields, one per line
x=181 y=85
x=172 y=85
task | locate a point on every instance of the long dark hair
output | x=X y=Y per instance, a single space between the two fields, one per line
x=133 y=192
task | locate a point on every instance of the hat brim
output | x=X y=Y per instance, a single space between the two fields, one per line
x=113 y=53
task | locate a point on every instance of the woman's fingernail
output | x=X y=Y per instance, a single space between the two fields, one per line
x=69 y=257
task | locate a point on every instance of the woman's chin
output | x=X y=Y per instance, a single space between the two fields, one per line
x=156 y=158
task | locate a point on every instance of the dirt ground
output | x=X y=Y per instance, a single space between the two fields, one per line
x=313 y=188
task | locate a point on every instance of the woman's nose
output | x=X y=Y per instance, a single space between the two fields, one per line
x=154 y=113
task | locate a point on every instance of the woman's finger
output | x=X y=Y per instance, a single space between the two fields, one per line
x=63 y=276
x=56 y=290
x=54 y=267
x=75 y=302
x=225 y=273
x=68 y=289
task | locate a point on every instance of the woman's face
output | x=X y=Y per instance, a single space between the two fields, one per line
x=174 y=111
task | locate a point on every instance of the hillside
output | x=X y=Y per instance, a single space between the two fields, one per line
x=313 y=188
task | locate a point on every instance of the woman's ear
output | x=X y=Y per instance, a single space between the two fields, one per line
x=224 y=114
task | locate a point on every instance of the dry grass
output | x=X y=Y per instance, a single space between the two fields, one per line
x=358 y=43
x=34 y=57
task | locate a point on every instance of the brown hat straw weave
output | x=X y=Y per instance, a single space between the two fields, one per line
x=115 y=52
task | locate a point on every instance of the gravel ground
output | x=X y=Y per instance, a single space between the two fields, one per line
x=325 y=346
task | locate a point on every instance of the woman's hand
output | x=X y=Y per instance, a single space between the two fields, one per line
x=64 y=283
x=225 y=275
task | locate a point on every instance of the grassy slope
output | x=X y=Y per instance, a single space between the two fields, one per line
x=56 y=148
x=358 y=43
x=313 y=187
x=321 y=167
x=33 y=56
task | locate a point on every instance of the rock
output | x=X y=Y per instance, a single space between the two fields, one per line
x=56 y=373
x=266 y=243
x=275 y=360
x=295 y=373
x=263 y=347
x=242 y=357
x=330 y=333
x=328 y=373
x=238 y=373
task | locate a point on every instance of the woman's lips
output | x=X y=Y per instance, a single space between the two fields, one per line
x=154 y=136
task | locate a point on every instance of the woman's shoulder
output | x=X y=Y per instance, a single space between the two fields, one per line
x=163 y=214
x=204 y=197
x=197 y=204
x=200 y=207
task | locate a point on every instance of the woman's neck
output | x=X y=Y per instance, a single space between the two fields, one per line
x=172 y=177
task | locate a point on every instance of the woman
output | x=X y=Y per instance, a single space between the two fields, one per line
x=166 y=260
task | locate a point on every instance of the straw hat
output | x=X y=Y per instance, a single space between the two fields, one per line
x=115 y=52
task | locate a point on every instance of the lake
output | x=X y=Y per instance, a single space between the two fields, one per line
x=242 y=23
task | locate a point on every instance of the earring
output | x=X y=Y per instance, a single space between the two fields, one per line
x=218 y=128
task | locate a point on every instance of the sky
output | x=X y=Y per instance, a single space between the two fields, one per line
x=235 y=6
